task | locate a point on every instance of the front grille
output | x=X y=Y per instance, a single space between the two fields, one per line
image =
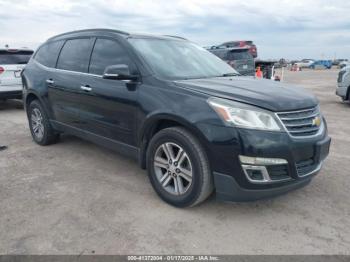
x=302 y=122
x=278 y=172
x=305 y=167
x=340 y=76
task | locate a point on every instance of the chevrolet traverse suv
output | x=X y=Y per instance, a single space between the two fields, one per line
x=189 y=118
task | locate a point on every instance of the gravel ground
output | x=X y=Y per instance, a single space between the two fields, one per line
x=75 y=197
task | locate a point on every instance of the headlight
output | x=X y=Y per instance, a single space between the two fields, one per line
x=242 y=115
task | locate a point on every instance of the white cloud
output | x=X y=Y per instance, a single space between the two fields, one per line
x=280 y=28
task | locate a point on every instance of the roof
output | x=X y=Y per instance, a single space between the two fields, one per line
x=228 y=48
x=113 y=31
x=15 y=50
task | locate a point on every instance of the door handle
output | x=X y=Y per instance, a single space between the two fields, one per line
x=50 y=81
x=86 y=88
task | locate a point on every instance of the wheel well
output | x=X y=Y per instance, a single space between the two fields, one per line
x=30 y=98
x=156 y=127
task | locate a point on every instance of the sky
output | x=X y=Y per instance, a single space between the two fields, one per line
x=280 y=28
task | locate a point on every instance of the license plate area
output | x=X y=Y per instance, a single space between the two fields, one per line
x=17 y=73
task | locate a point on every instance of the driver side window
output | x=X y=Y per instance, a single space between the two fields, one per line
x=107 y=52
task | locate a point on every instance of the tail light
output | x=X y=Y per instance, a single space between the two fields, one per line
x=2 y=70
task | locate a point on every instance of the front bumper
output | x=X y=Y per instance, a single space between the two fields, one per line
x=303 y=157
x=341 y=91
x=227 y=189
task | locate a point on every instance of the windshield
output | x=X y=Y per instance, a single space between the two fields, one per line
x=174 y=59
x=239 y=55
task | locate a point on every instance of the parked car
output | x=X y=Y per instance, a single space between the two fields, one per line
x=343 y=88
x=321 y=64
x=336 y=62
x=239 y=58
x=252 y=49
x=304 y=63
x=190 y=119
x=12 y=61
x=343 y=64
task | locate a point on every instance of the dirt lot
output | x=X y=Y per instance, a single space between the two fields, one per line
x=75 y=197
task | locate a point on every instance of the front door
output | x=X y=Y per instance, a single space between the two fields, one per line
x=108 y=107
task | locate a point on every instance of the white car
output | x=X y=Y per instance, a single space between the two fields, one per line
x=305 y=63
x=343 y=64
x=12 y=62
x=343 y=88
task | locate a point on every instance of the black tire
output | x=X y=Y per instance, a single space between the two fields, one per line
x=49 y=136
x=202 y=182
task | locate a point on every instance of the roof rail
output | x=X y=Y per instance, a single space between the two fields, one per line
x=175 y=36
x=91 y=30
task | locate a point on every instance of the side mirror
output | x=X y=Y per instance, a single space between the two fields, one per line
x=118 y=72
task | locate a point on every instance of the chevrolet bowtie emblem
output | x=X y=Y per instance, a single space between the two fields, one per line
x=316 y=121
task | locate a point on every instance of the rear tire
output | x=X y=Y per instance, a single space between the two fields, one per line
x=39 y=124
x=178 y=167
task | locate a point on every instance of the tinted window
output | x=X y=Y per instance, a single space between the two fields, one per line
x=107 y=52
x=15 y=57
x=75 y=55
x=47 y=54
x=175 y=59
x=238 y=55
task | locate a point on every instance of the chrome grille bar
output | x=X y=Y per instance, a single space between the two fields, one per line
x=302 y=122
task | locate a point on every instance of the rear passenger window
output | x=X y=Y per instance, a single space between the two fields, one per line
x=75 y=55
x=47 y=54
x=108 y=52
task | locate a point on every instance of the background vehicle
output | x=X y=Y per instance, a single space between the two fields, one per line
x=252 y=49
x=305 y=63
x=12 y=62
x=343 y=64
x=239 y=58
x=190 y=119
x=267 y=68
x=343 y=88
x=321 y=64
x=336 y=62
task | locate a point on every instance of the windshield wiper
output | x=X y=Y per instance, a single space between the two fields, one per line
x=230 y=74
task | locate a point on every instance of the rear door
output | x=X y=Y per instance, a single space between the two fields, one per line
x=12 y=63
x=64 y=83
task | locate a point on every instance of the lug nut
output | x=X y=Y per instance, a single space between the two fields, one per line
x=170 y=161
x=177 y=170
x=175 y=163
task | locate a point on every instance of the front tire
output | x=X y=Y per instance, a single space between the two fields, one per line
x=39 y=124
x=178 y=167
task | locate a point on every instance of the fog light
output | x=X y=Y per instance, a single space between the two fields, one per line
x=256 y=174
x=262 y=161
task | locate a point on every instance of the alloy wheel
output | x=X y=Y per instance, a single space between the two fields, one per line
x=37 y=123
x=173 y=168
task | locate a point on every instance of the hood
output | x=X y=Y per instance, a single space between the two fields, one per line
x=268 y=94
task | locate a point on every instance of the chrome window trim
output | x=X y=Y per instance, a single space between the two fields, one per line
x=63 y=70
